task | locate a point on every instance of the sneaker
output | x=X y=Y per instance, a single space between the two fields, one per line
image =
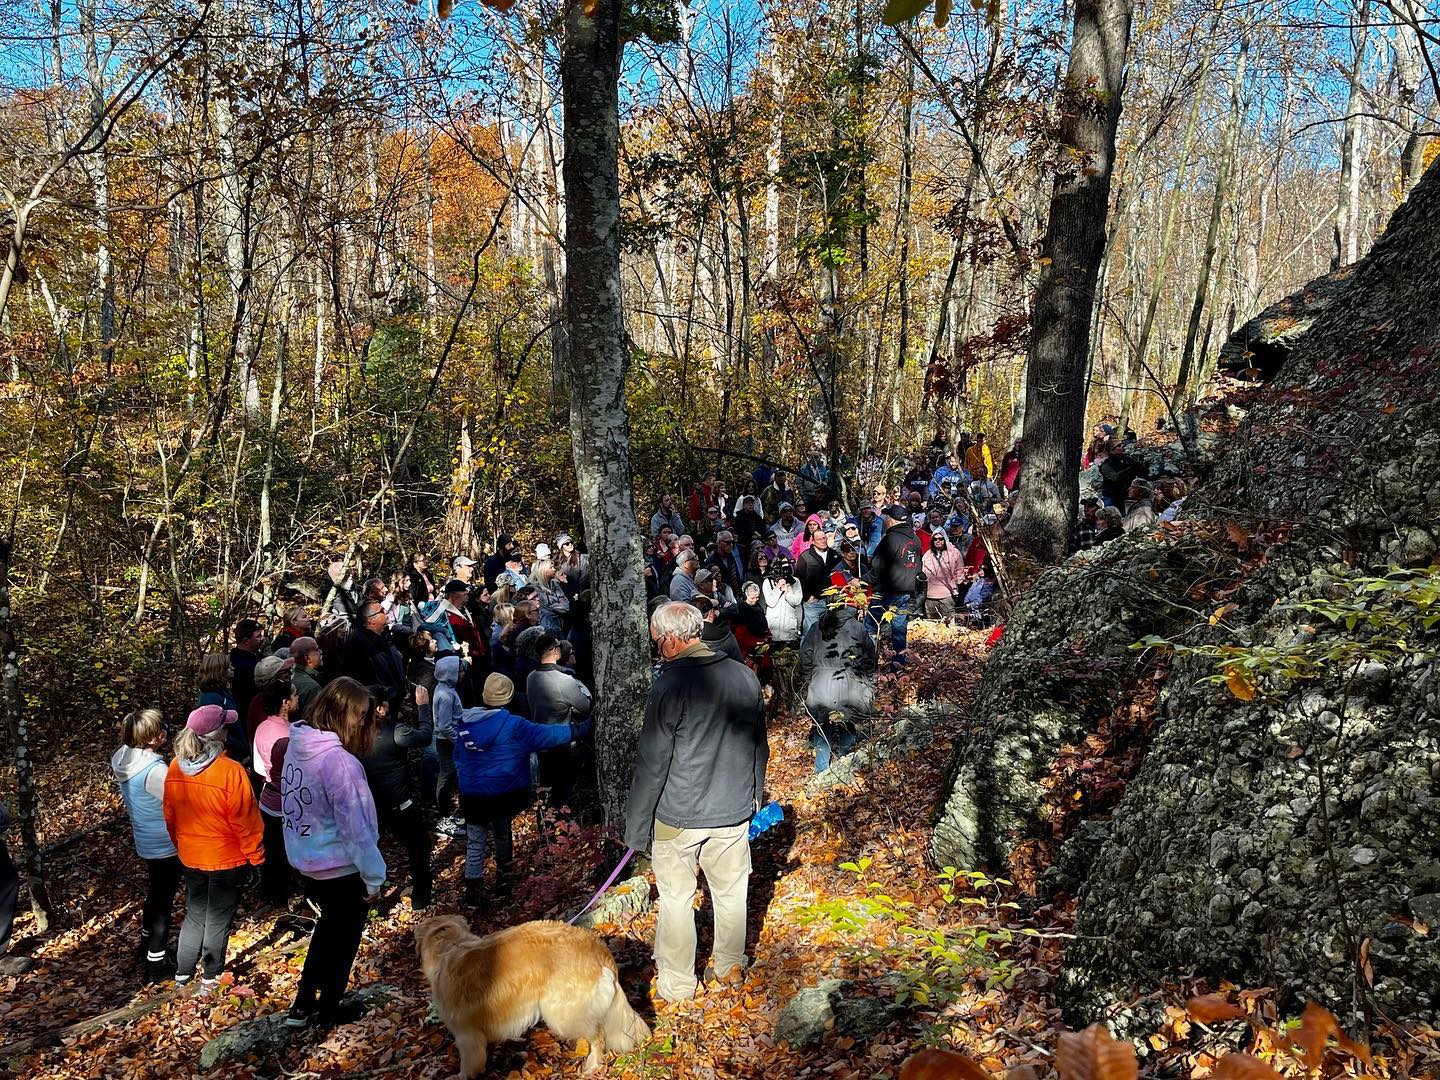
x=735 y=976
x=452 y=827
x=207 y=987
x=347 y=1011
x=160 y=969
x=299 y=1016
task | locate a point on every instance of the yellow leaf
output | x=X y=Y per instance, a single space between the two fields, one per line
x=1240 y=682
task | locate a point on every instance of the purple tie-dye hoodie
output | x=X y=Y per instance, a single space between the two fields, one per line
x=330 y=825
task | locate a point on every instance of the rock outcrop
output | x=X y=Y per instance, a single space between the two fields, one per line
x=1265 y=841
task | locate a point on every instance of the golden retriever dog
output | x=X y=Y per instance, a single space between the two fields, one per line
x=493 y=988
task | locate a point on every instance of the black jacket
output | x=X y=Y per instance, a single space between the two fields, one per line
x=242 y=688
x=372 y=660
x=896 y=565
x=721 y=639
x=701 y=758
x=1116 y=474
x=387 y=764
x=813 y=569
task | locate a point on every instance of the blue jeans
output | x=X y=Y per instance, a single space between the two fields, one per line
x=810 y=614
x=830 y=741
x=898 y=625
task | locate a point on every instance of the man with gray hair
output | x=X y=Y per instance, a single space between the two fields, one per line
x=682 y=582
x=699 y=778
x=1139 y=506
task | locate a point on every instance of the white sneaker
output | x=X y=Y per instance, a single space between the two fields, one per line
x=453 y=827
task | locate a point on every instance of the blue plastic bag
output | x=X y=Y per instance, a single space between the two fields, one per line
x=770 y=815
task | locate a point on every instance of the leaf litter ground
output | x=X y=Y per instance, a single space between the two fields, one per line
x=810 y=919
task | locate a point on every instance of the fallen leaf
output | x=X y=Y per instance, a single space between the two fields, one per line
x=1213 y=1008
x=934 y=1064
x=1093 y=1055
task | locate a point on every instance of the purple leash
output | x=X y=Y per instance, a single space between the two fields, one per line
x=601 y=891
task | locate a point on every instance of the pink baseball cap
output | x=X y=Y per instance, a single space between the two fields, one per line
x=208 y=719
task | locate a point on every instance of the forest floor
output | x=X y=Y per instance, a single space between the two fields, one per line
x=841 y=889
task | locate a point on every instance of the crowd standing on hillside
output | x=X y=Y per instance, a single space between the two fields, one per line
x=428 y=706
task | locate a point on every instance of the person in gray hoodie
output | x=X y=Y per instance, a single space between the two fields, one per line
x=556 y=696
x=837 y=664
x=140 y=771
x=437 y=764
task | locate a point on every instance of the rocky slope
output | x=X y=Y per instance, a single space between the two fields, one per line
x=1224 y=858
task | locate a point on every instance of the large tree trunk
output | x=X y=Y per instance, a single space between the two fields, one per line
x=599 y=424
x=1074 y=242
x=17 y=732
x=1346 y=243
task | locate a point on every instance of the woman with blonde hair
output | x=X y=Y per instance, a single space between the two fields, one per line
x=217 y=679
x=294 y=624
x=547 y=580
x=140 y=771
x=210 y=813
x=504 y=616
x=332 y=837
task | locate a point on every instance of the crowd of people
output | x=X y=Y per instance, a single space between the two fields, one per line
x=436 y=707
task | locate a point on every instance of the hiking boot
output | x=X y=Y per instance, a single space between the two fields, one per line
x=452 y=828
x=160 y=969
x=732 y=976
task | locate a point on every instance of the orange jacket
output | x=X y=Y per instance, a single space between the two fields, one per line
x=212 y=816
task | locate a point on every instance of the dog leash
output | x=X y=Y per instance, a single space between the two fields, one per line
x=629 y=852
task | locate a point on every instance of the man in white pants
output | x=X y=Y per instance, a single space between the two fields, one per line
x=699 y=777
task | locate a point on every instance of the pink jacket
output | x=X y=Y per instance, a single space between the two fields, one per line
x=944 y=573
x=798 y=547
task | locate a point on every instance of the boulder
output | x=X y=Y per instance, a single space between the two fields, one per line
x=621 y=900
x=811 y=1013
x=269 y=1034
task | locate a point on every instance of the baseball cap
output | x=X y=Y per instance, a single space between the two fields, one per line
x=208 y=719
x=455 y=585
x=702 y=576
x=271 y=668
x=786 y=506
x=462 y=560
x=896 y=512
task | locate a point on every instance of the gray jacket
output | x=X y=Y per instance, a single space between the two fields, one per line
x=839 y=672
x=556 y=696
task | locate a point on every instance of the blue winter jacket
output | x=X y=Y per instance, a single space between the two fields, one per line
x=493 y=747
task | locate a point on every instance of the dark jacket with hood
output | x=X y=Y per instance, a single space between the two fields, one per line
x=813 y=570
x=701 y=759
x=387 y=765
x=839 y=670
x=896 y=566
x=721 y=639
x=493 y=746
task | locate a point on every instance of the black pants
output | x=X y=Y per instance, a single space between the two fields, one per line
x=211 y=897
x=275 y=874
x=336 y=940
x=159 y=900
x=9 y=896
x=407 y=826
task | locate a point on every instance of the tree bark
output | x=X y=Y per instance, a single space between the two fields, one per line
x=599 y=423
x=17 y=731
x=1346 y=247
x=1074 y=242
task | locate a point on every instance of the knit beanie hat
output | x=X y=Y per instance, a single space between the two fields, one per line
x=499 y=690
x=208 y=719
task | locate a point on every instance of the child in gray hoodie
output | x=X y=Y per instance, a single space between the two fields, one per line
x=438 y=764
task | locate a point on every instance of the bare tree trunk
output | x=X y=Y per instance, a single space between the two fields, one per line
x=1074 y=241
x=1345 y=225
x=98 y=173
x=599 y=361
x=1212 y=233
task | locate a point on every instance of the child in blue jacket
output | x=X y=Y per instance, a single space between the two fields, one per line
x=492 y=762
